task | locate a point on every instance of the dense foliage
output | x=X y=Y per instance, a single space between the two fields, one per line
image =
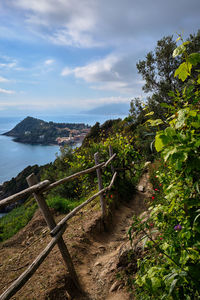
x=157 y=70
x=170 y=268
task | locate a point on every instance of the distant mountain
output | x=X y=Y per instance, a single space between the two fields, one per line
x=36 y=131
x=110 y=109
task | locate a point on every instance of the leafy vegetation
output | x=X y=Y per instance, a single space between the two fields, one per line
x=170 y=268
x=16 y=219
x=158 y=68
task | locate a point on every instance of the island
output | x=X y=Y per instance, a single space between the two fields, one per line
x=35 y=131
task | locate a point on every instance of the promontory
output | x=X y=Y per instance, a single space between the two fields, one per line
x=35 y=131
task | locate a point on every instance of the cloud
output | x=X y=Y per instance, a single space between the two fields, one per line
x=2 y=79
x=49 y=62
x=91 y=23
x=3 y=91
x=116 y=72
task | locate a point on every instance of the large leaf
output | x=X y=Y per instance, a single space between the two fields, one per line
x=194 y=58
x=183 y=71
x=179 y=50
x=159 y=143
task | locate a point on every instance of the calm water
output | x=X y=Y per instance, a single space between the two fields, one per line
x=14 y=157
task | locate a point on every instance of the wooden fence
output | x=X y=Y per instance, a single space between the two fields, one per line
x=57 y=230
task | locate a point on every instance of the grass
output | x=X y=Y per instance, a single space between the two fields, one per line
x=11 y=223
x=61 y=204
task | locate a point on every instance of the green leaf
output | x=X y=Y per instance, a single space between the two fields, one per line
x=193 y=113
x=173 y=284
x=186 y=43
x=155 y=122
x=165 y=105
x=195 y=124
x=149 y=114
x=181 y=118
x=158 y=143
x=179 y=50
x=183 y=71
x=194 y=58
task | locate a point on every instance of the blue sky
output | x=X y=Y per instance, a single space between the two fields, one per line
x=67 y=56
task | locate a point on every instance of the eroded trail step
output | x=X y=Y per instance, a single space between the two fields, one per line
x=97 y=271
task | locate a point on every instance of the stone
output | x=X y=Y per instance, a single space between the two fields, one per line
x=115 y=286
x=140 y=188
x=97 y=264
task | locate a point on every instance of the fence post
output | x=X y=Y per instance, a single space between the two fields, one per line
x=111 y=154
x=32 y=179
x=100 y=185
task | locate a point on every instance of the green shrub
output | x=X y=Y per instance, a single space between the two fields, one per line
x=170 y=268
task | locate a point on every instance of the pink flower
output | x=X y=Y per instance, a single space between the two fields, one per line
x=152 y=197
x=156 y=190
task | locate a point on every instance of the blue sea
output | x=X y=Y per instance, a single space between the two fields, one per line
x=14 y=157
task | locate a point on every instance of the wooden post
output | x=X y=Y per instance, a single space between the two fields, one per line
x=100 y=185
x=32 y=179
x=111 y=154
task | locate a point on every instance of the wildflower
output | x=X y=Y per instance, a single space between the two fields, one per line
x=152 y=197
x=178 y=227
x=161 y=238
x=111 y=196
x=156 y=190
x=160 y=184
x=151 y=224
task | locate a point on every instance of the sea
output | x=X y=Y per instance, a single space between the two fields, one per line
x=14 y=157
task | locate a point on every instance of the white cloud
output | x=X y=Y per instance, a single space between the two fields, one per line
x=3 y=91
x=116 y=72
x=8 y=65
x=2 y=79
x=89 y=23
x=49 y=62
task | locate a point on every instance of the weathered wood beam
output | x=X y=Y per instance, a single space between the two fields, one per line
x=66 y=179
x=32 y=179
x=35 y=188
x=76 y=209
x=100 y=185
x=110 y=159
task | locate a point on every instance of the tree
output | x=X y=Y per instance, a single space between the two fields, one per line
x=158 y=72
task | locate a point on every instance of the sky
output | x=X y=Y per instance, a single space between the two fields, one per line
x=70 y=56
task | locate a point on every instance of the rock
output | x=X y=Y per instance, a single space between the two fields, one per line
x=115 y=286
x=147 y=163
x=123 y=254
x=102 y=248
x=97 y=264
x=140 y=188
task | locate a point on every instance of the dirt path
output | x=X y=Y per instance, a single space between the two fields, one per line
x=96 y=256
x=101 y=263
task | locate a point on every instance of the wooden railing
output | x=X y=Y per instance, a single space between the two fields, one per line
x=56 y=230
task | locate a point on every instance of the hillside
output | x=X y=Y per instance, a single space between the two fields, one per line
x=36 y=131
x=99 y=257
